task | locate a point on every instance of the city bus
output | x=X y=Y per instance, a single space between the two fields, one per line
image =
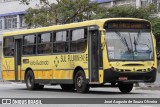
x=111 y=52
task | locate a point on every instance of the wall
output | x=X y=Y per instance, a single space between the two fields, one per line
x=14 y=7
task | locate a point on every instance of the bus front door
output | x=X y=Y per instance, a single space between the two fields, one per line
x=93 y=56
x=17 y=57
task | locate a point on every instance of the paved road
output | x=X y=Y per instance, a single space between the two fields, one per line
x=19 y=91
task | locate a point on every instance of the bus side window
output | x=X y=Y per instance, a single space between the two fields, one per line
x=78 y=40
x=29 y=44
x=60 y=43
x=44 y=43
x=8 y=46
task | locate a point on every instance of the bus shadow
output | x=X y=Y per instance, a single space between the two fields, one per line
x=98 y=92
x=110 y=92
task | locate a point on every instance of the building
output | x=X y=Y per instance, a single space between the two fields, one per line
x=12 y=15
x=137 y=3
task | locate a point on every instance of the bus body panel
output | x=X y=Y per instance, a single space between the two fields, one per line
x=131 y=71
x=8 y=72
x=55 y=66
x=61 y=66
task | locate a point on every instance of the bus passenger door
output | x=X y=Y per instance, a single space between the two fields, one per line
x=93 y=55
x=17 y=57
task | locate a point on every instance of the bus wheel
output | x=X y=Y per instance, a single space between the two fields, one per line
x=30 y=82
x=67 y=87
x=125 y=87
x=81 y=84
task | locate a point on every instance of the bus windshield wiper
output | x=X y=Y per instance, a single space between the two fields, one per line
x=138 y=36
x=136 y=40
x=135 y=44
x=126 y=44
x=123 y=40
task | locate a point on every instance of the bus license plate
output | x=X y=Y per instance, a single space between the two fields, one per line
x=123 y=78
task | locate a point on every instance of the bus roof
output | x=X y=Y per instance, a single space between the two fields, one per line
x=98 y=22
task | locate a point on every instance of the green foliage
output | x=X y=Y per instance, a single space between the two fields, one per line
x=132 y=11
x=36 y=17
x=64 y=11
x=156 y=30
x=74 y=10
x=67 y=11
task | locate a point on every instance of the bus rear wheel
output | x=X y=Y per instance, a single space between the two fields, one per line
x=81 y=84
x=67 y=87
x=30 y=82
x=125 y=87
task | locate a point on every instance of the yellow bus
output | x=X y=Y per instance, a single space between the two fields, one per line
x=112 y=52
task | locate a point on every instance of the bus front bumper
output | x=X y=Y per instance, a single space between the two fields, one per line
x=113 y=76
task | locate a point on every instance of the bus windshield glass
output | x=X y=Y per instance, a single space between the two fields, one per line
x=129 y=45
x=129 y=41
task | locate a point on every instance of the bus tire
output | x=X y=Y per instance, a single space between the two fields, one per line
x=30 y=82
x=125 y=87
x=67 y=87
x=81 y=84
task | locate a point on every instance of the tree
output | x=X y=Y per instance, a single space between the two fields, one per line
x=156 y=30
x=132 y=11
x=63 y=11
x=67 y=11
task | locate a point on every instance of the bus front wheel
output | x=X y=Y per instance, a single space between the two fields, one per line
x=30 y=82
x=125 y=87
x=81 y=84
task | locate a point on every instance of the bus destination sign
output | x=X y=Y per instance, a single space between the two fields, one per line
x=127 y=25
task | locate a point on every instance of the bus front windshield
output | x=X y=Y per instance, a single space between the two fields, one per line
x=127 y=45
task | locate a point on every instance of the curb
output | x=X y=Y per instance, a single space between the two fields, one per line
x=148 y=86
x=4 y=82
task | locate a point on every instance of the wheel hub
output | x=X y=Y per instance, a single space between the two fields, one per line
x=80 y=81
